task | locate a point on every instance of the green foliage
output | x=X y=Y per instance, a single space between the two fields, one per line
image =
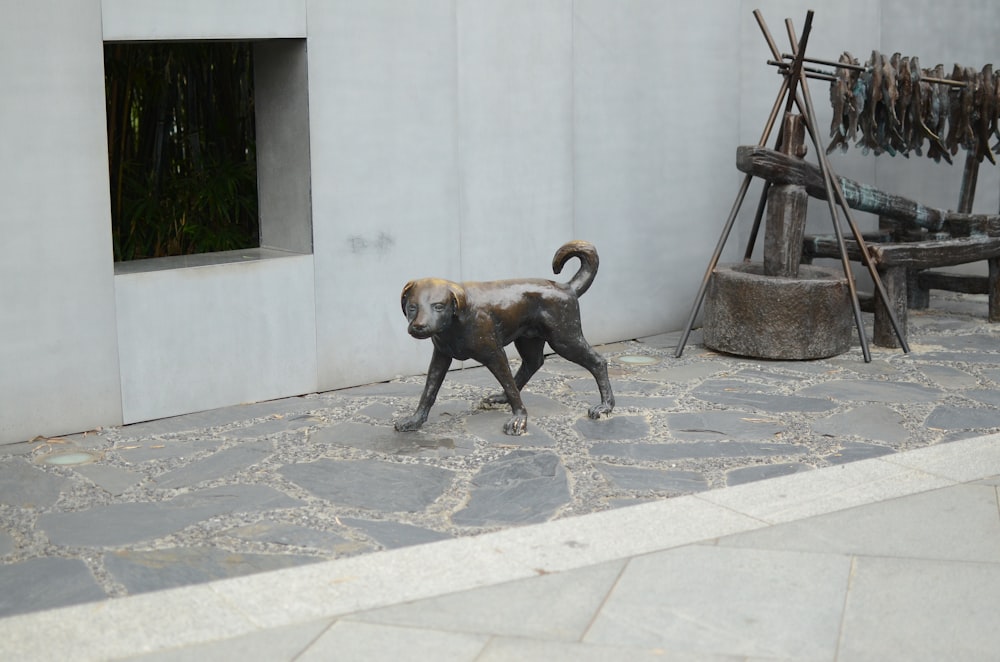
x=181 y=148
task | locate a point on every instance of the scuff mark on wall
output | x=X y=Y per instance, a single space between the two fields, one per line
x=380 y=244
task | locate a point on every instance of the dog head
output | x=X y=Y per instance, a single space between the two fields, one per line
x=430 y=305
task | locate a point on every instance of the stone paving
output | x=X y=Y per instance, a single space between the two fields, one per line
x=276 y=484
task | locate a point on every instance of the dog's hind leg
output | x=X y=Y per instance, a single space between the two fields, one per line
x=579 y=351
x=532 y=351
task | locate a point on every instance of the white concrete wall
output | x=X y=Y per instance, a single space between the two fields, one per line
x=201 y=337
x=58 y=350
x=465 y=139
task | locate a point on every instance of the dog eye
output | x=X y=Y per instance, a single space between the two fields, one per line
x=438 y=307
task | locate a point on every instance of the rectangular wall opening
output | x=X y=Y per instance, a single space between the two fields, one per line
x=208 y=151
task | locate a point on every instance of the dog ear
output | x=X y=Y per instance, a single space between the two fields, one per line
x=406 y=295
x=457 y=297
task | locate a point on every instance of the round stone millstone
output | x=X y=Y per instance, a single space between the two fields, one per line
x=748 y=313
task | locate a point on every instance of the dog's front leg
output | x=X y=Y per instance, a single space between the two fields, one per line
x=500 y=368
x=440 y=362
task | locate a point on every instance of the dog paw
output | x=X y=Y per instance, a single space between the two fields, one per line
x=517 y=425
x=603 y=409
x=494 y=400
x=408 y=424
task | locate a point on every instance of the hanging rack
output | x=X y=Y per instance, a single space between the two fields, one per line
x=795 y=79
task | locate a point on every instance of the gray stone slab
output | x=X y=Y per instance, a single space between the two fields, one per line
x=227 y=462
x=846 y=390
x=632 y=386
x=392 y=535
x=557 y=606
x=383 y=390
x=153 y=570
x=146 y=450
x=613 y=427
x=867 y=421
x=476 y=375
x=488 y=426
x=46 y=583
x=111 y=479
x=7 y=543
x=26 y=486
x=19 y=448
x=520 y=488
x=973 y=342
x=371 y=484
x=385 y=439
x=216 y=417
x=624 y=402
x=763 y=471
x=637 y=478
x=669 y=340
x=910 y=609
x=736 y=393
x=961 y=357
x=852 y=452
x=948 y=377
x=540 y=405
x=949 y=417
x=751 y=603
x=274 y=426
x=857 y=367
x=284 y=533
x=697 y=426
x=986 y=396
x=695 y=450
x=127 y=523
x=690 y=372
x=380 y=411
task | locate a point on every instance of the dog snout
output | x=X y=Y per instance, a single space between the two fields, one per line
x=418 y=329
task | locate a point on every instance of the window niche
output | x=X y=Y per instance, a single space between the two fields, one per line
x=208 y=150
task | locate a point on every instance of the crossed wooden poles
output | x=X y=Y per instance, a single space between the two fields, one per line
x=795 y=77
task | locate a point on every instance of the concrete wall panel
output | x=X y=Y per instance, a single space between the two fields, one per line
x=203 y=337
x=382 y=105
x=126 y=20
x=656 y=117
x=58 y=359
x=515 y=135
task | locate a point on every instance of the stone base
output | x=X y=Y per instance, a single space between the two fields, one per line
x=751 y=314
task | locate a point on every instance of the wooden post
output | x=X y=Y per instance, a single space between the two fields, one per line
x=786 y=209
x=894 y=279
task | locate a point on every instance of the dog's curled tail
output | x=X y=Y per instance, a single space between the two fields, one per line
x=584 y=250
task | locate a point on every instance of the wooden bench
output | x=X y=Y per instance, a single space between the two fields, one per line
x=912 y=241
x=904 y=268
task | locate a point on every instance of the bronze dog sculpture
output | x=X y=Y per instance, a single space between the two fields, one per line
x=477 y=320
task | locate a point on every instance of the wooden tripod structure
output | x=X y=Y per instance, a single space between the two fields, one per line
x=795 y=79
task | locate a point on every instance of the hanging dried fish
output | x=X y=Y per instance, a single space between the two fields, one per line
x=986 y=114
x=889 y=106
x=844 y=106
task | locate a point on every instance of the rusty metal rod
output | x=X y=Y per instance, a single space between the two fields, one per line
x=731 y=220
x=812 y=73
x=759 y=214
x=807 y=113
x=864 y=67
